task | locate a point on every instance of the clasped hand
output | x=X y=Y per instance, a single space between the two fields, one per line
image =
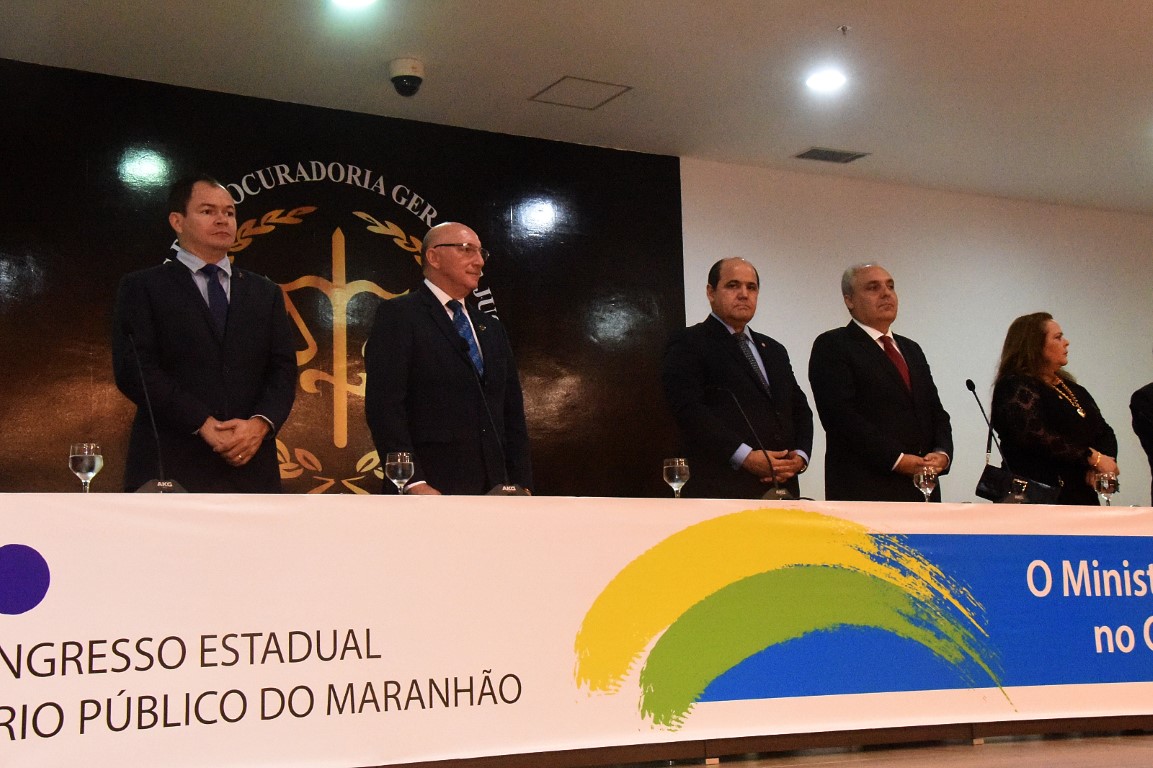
x=911 y=464
x=784 y=466
x=236 y=440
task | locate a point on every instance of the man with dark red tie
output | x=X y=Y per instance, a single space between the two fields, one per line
x=876 y=399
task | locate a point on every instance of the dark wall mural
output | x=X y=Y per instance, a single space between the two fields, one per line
x=586 y=270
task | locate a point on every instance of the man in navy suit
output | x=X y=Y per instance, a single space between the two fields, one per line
x=876 y=398
x=442 y=383
x=745 y=423
x=215 y=346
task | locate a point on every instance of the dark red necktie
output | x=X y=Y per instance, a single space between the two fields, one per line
x=895 y=356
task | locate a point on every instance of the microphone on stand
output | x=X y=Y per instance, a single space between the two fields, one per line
x=776 y=492
x=505 y=488
x=1016 y=492
x=992 y=436
x=158 y=485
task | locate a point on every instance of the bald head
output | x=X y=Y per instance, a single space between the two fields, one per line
x=732 y=292
x=453 y=258
x=715 y=270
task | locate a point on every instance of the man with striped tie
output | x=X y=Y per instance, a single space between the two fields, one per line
x=442 y=383
x=745 y=423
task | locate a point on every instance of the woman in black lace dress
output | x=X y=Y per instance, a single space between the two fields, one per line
x=1050 y=428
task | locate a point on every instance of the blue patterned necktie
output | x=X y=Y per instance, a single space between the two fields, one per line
x=217 y=298
x=460 y=322
x=743 y=341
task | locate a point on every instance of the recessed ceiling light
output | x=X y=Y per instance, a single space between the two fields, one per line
x=826 y=80
x=353 y=5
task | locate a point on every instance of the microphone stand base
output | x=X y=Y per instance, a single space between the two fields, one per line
x=778 y=494
x=161 y=486
x=508 y=490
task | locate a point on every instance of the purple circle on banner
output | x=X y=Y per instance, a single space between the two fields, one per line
x=24 y=578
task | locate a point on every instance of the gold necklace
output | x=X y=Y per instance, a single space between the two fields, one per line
x=1067 y=395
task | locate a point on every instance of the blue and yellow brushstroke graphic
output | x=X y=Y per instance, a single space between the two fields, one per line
x=721 y=591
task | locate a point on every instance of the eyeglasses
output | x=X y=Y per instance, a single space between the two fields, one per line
x=466 y=248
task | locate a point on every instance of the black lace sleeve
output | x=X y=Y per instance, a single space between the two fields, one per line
x=1021 y=416
x=1102 y=436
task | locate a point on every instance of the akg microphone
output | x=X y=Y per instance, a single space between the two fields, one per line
x=992 y=436
x=505 y=488
x=776 y=492
x=159 y=485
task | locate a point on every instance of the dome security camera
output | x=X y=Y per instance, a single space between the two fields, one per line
x=406 y=75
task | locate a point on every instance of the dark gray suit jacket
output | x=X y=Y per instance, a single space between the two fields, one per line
x=192 y=374
x=707 y=383
x=870 y=418
x=423 y=396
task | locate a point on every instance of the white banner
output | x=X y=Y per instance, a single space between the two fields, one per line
x=195 y=630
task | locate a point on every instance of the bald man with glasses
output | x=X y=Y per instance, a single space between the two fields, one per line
x=442 y=383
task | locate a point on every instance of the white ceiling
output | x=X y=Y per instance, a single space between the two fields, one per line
x=1048 y=100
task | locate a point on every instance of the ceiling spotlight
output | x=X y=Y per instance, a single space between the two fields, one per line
x=353 y=5
x=826 y=81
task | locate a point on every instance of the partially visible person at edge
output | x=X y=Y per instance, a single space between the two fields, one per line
x=1051 y=429
x=1141 y=406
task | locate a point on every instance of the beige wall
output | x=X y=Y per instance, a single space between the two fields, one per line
x=965 y=266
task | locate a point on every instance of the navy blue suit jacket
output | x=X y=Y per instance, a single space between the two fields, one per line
x=708 y=382
x=193 y=374
x=424 y=396
x=870 y=418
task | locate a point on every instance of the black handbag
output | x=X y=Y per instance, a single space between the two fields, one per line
x=1000 y=485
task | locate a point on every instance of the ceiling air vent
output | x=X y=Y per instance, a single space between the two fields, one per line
x=831 y=155
x=580 y=93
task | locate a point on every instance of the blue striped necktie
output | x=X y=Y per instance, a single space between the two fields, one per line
x=460 y=322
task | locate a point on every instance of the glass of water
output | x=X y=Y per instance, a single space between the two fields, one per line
x=926 y=481
x=398 y=468
x=1107 y=485
x=85 y=460
x=676 y=472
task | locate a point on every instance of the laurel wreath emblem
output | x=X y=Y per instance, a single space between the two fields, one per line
x=299 y=463
x=268 y=223
x=405 y=241
x=294 y=463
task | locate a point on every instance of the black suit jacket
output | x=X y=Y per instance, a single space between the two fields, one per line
x=1141 y=406
x=423 y=396
x=705 y=377
x=870 y=418
x=192 y=374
